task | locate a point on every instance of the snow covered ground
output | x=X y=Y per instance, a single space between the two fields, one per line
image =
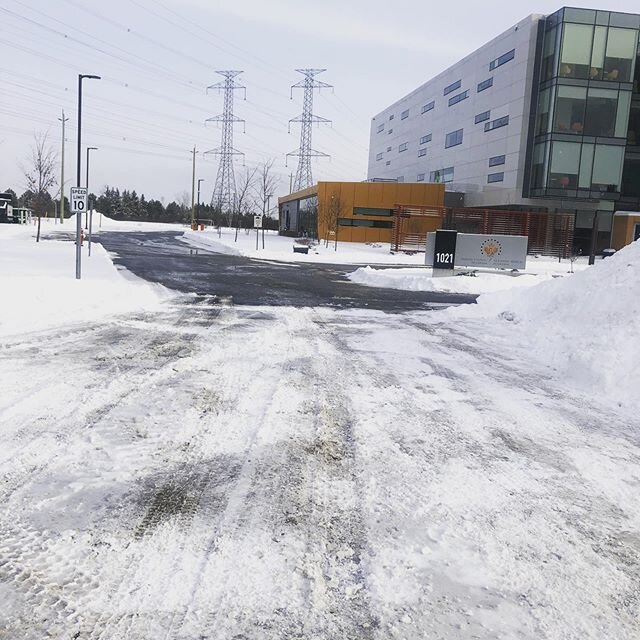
x=38 y=287
x=587 y=327
x=200 y=470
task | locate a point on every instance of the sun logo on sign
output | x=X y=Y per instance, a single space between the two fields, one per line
x=491 y=248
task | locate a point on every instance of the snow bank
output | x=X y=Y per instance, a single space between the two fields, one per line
x=422 y=280
x=39 y=290
x=587 y=327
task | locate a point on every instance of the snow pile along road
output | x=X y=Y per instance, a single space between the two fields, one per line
x=421 y=279
x=587 y=327
x=39 y=289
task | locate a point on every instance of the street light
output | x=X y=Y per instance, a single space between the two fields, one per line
x=198 y=209
x=86 y=184
x=81 y=77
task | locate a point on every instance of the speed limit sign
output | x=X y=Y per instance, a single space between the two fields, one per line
x=78 y=199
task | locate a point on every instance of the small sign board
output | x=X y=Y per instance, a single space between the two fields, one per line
x=444 y=256
x=482 y=250
x=257 y=222
x=78 y=199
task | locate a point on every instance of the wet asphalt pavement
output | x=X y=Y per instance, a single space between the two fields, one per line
x=163 y=258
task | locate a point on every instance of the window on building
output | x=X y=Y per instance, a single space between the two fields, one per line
x=503 y=59
x=575 y=57
x=391 y=117
x=388 y=148
x=496 y=161
x=400 y=179
x=565 y=165
x=569 y=109
x=403 y=147
x=538 y=175
x=389 y=131
x=543 y=119
x=429 y=106
x=388 y=162
x=483 y=117
x=442 y=175
x=485 y=84
x=453 y=139
x=356 y=222
x=607 y=168
x=426 y=139
x=379 y=156
x=601 y=113
x=620 y=54
x=497 y=123
x=381 y=128
x=458 y=98
x=597 y=52
x=422 y=153
x=404 y=115
x=592 y=112
x=550 y=53
x=420 y=177
x=452 y=87
x=370 y=211
x=495 y=177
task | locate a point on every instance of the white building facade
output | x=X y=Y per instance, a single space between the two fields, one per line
x=546 y=116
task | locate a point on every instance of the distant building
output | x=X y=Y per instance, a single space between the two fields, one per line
x=545 y=117
x=356 y=211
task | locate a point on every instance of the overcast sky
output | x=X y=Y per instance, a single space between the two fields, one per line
x=157 y=57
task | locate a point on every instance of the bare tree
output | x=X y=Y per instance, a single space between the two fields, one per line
x=330 y=210
x=244 y=189
x=40 y=175
x=266 y=184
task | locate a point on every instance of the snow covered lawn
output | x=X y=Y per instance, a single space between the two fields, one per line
x=194 y=470
x=38 y=287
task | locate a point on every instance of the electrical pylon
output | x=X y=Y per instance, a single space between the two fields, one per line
x=306 y=152
x=224 y=191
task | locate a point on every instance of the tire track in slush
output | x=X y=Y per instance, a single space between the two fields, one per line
x=208 y=502
x=31 y=548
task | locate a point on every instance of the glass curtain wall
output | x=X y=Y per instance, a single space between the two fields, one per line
x=584 y=116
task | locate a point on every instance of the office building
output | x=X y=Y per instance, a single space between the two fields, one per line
x=545 y=117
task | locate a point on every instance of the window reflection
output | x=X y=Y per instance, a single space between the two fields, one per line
x=602 y=107
x=575 y=61
x=620 y=55
x=570 y=108
x=565 y=165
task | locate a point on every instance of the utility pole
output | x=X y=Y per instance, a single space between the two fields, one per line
x=224 y=192
x=63 y=120
x=305 y=152
x=193 y=189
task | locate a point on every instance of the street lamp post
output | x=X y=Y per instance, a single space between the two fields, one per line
x=198 y=202
x=81 y=77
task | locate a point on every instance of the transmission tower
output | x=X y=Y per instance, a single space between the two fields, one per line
x=305 y=152
x=224 y=191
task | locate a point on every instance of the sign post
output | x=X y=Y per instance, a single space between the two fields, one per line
x=257 y=223
x=78 y=206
